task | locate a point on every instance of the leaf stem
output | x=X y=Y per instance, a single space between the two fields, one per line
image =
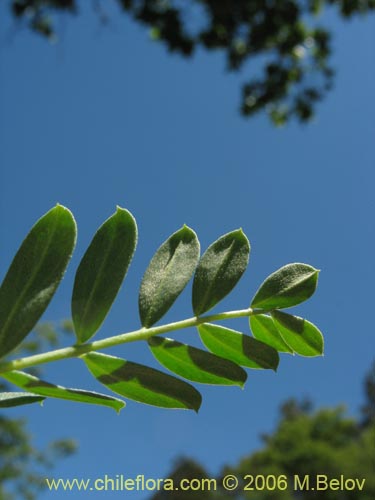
x=124 y=338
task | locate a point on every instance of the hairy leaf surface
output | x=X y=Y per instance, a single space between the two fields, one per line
x=219 y=270
x=34 y=275
x=288 y=286
x=168 y=273
x=102 y=271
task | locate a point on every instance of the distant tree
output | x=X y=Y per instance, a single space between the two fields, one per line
x=368 y=409
x=311 y=443
x=281 y=36
x=305 y=442
x=21 y=463
x=185 y=468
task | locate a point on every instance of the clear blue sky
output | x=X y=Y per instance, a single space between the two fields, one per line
x=107 y=117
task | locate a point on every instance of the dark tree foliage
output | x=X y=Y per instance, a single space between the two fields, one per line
x=290 y=51
x=311 y=443
x=22 y=466
x=188 y=469
x=368 y=409
x=305 y=442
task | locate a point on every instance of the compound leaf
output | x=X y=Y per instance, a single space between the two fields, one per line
x=264 y=329
x=101 y=272
x=219 y=270
x=195 y=364
x=237 y=347
x=34 y=275
x=168 y=273
x=37 y=386
x=288 y=286
x=142 y=383
x=301 y=335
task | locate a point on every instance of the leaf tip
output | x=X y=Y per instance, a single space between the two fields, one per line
x=196 y=405
x=241 y=233
x=187 y=229
x=120 y=407
x=58 y=206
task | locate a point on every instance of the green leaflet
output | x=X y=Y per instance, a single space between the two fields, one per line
x=288 y=286
x=301 y=335
x=264 y=329
x=219 y=270
x=9 y=399
x=102 y=271
x=195 y=364
x=168 y=273
x=238 y=347
x=34 y=275
x=38 y=268
x=141 y=383
x=37 y=386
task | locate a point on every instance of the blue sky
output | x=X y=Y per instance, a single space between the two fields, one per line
x=106 y=117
